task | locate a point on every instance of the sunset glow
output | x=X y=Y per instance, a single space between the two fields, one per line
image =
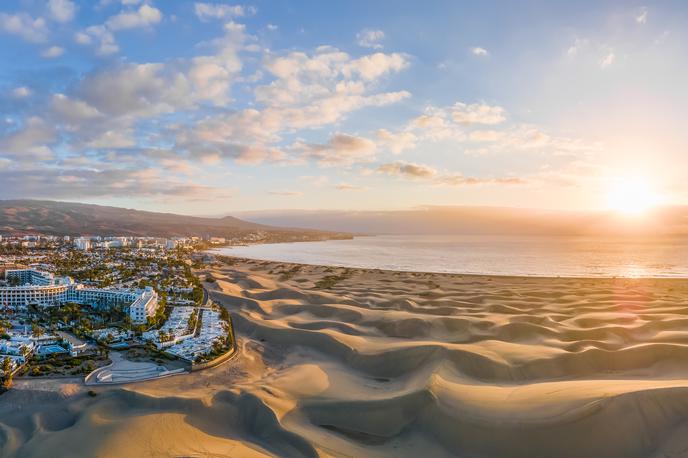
x=631 y=196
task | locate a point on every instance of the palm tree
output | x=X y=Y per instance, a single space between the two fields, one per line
x=6 y=366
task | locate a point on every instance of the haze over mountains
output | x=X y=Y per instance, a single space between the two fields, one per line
x=66 y=218
x=667 y=221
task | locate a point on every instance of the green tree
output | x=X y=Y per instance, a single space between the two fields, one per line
x=6 y=365
x=36 y=330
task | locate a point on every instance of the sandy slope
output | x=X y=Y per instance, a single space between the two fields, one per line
x=371 y=363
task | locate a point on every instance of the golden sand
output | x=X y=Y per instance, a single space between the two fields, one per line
x=356 y=362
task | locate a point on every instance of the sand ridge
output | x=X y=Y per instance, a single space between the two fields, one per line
x=361 y=362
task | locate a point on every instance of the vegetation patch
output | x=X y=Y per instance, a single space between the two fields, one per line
x=289 y=274
x=329 y=281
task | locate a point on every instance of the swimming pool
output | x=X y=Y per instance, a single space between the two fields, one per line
x=51 y=349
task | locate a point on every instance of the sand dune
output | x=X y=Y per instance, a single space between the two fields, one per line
x=358 y=362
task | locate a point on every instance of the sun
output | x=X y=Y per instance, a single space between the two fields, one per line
x=631 y=196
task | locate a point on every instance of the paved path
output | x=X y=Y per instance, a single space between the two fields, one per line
x=124 y=371
x=71 y=338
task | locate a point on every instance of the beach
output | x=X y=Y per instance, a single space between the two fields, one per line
x=351 y=362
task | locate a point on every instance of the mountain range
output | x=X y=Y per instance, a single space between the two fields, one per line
x=19 y=217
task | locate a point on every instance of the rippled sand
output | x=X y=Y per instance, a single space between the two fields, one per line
x=355 y=362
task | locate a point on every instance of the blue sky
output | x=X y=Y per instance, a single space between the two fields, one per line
x=214 y=107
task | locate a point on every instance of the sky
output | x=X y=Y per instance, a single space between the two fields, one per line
x=209 y=108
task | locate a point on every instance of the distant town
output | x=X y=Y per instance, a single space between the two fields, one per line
x=113 y=309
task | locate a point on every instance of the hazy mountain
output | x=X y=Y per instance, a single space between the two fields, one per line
x=64 y=218
x=482 y=220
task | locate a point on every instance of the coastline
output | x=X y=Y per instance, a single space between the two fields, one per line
x=453 y=274
x=548 y=257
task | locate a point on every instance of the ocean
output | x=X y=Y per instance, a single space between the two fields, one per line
x=489 y=255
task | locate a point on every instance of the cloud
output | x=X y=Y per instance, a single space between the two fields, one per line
x=62 y=10
x=135 y=90
x=370 y=38
x=340 y=149
x=460 y=180
x=529 y=138
x=422 y=172
x=24 y=26
x=213 y=75
x=349 y=187
x=115 y=98
x=145 y=16
x=607 y=60
x=307 y=91
x=576 y=47
x=30 y=142
x=329 y=72
x=102 y=36
x=112 y=139
x=407 y=170
x=52 y=52
x=641 y=18
x=481 y=52
x=375 y=65
x=210 y=11
x=110 y=128
x=310 y=91
x=64 y=183
x=486 y=135
x=396 y=142
x=21 y=92
x=477 y=113
x=73 y=111
x=454 y=122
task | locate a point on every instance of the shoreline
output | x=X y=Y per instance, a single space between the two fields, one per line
x=454 y=274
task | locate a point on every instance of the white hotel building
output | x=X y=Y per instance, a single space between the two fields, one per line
x=45 y=289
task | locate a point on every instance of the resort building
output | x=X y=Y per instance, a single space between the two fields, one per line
x=144 y=306
x=82 y=243
x=29 y=286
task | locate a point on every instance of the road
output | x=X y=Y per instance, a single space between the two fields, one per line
x=206 y=298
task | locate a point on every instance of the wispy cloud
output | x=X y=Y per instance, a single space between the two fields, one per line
x=52 y=52
x=607 y=60
x=145 y=16
x=210 y=11
x=370 y=38
x=425 y=173
x=24 y=26
x=62 y=10
x=407 y=170
x=339 y=149
x=641 y=17
x=349 y=187
x=286 y=193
